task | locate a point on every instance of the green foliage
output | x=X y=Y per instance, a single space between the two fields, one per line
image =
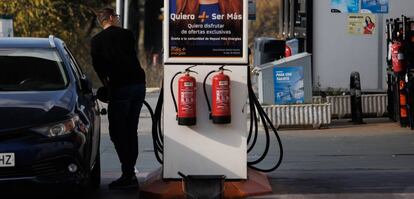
x=71 y=20
x=266 y=23
x=267 y=20
x=74 y=22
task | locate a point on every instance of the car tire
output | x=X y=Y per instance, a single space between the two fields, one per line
x=95 y=175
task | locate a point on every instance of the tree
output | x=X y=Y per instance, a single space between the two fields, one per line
x=266 y=23
x=73 y=21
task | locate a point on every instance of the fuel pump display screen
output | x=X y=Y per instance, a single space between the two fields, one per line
x=200 y=30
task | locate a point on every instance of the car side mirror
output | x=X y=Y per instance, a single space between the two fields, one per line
x=86 y=85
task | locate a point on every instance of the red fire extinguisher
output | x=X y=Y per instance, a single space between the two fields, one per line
x=220 y=112
x=397 y=55
x=403 y=100
x=186 y=110
x=288 y=51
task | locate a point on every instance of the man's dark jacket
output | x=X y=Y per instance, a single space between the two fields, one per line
x=114 y=56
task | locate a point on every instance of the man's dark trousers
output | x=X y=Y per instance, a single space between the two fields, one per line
x=123 y=114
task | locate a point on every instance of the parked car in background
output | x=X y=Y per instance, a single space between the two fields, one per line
x=49 y=117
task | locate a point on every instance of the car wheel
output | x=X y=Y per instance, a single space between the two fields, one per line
x=95 y=175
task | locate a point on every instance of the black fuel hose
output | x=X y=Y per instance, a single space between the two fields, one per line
x=254 y=102
x=253 y=123
x=158 y=115
x=156 y=141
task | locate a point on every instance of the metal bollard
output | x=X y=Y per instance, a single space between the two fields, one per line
x=356 y=98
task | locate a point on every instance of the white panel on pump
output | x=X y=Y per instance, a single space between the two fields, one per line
x=206 y=148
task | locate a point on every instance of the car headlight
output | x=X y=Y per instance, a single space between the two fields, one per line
x=59 y=129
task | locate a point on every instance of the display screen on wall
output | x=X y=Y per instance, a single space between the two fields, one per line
x=361 y=24
x=288 y=85
x=345 y=6
x=374 y=6
x=200 y=31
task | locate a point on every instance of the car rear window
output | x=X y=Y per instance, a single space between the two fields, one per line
x=31 y=70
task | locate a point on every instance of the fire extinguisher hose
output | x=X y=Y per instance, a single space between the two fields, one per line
x=172 y=90
x=205 y=91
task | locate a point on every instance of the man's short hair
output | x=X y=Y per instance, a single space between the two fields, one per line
x=104 y=14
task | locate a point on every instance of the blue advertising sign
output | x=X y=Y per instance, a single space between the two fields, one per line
x=345 y=6
x=288 y=85
x=374 y=6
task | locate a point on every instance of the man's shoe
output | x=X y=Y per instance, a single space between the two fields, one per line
x=124 y=183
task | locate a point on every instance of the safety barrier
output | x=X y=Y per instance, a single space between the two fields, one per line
x=375 y=104
x=315 y=115
x=320 y=113
x=317 y=100
x=372 y=105
x=341 y=105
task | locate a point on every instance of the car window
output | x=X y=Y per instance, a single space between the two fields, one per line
x=75 y=64
x=28 y=69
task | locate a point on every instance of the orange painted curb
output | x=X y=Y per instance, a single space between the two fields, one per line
x=157 y=188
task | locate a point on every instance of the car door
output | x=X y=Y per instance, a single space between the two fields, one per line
x=90 y=109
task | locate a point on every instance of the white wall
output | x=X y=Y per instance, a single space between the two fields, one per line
x=337 y=53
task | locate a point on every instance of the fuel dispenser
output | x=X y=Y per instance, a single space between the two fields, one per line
x=204 y=132
x=400 y=71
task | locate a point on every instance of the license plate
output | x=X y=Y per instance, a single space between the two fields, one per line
x=7 y=160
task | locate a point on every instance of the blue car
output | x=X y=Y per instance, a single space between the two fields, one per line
x=49 y=116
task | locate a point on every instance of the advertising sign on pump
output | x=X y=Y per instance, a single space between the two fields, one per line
x=201 y=31
x=289 y=85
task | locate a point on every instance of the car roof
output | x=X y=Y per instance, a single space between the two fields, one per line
x=29 y=42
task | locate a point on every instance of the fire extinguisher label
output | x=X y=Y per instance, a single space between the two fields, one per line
x=187 y=101
x=222 y=99
x=400 y=56
x=223 y=83
x=188 y=84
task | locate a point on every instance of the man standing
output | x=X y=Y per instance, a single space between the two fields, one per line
x=115 y=61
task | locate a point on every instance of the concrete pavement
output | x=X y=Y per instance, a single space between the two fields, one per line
x=375 y=160
x=368 y=161
x=343 y=161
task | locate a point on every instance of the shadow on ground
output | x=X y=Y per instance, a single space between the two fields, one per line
x=387 y=181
